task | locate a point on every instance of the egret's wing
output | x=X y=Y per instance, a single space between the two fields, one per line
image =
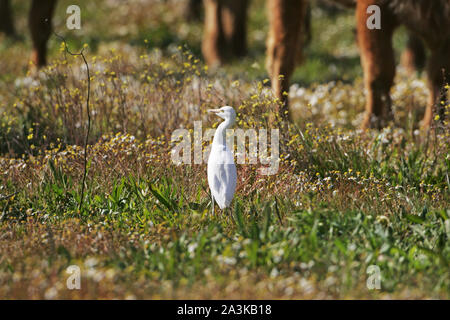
x=231 y=178
x=222 y=178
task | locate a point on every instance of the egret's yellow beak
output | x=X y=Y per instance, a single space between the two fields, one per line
x=214 y=111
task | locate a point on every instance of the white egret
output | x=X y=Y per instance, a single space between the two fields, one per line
x=222 y=175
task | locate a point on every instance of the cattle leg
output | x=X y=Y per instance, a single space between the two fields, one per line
x=40 y=23
x=414 y=56
x=6 y=21
x=225 y=30
x=286 y=25
x=234 y=19
x=438 y=76
x=377 y=58
x=213 y=37
x=193 y=10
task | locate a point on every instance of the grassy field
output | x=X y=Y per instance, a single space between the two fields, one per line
x=341 y=201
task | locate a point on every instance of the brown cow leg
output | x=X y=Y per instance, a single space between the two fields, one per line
x=234 y=19
x=225 y=30
x=6 y=21
x=377 y=58
x=213 y=37
x=193 y=10
x=414 y=56
x=285 y=30
x=40 y=23
x=438 y=76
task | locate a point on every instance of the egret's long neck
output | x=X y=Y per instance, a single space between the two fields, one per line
x=220 y=135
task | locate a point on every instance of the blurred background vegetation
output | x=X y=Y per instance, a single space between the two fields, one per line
x=331 y=55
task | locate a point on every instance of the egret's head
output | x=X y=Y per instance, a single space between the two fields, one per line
x=226 y=113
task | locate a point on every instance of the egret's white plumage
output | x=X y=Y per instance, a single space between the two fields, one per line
x=222 y=175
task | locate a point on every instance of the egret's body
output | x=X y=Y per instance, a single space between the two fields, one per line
x=222 y=174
